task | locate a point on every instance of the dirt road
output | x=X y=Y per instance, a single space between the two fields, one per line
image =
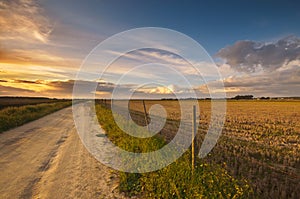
x=46 y=159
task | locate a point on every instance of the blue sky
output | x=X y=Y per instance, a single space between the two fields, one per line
x=211 y=23
x=255 y=45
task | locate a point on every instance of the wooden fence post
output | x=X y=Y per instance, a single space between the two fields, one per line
x=146 y=115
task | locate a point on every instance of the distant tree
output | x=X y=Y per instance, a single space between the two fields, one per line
x=243 y=97
x=265 y=98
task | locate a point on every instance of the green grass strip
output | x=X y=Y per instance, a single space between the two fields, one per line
x=11 y=117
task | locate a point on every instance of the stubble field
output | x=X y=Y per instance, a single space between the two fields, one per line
x=260 y=141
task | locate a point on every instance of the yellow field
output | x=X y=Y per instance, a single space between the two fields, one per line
x=260 y=141
x=253 y=120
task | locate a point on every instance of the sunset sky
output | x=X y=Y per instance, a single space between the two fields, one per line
x=255 y=44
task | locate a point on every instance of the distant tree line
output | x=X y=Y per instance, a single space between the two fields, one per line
x=265 y=98
x=238 y=97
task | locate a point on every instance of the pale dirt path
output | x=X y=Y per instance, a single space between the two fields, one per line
x=46 y=159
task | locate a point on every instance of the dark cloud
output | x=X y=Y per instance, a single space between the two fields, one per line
x=27 y=81
x=106 y=87
x=247 y=56
x=86 y=86
x=65 y=86
x=276 y=83
x=8 y=90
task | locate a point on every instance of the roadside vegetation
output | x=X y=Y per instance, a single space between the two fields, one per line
x=175 y=180
x=14 y=116
x=21 y=101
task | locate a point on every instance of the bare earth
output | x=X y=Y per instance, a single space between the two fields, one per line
x=46 y=159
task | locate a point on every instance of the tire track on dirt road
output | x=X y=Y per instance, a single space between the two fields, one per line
x=46 y=159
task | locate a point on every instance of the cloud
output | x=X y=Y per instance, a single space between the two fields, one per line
x=284 y=82
x=103 y=89
x=158 y=90
x=25 y=35
x=150 y=55
x=29 y=34
x=58 y=88
x=262 y=69
x=23 y=20
x=9 y=71
x=12 y=91
x=30 y=56
x=251 y=56
x=26 y=81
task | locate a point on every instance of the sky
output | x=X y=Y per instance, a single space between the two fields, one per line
x=255 y=46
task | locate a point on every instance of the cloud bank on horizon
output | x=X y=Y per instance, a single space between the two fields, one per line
x=270 y=69
x=40 y=56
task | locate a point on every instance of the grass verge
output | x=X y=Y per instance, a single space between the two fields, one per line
x=175 y=180
x=11 y=117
